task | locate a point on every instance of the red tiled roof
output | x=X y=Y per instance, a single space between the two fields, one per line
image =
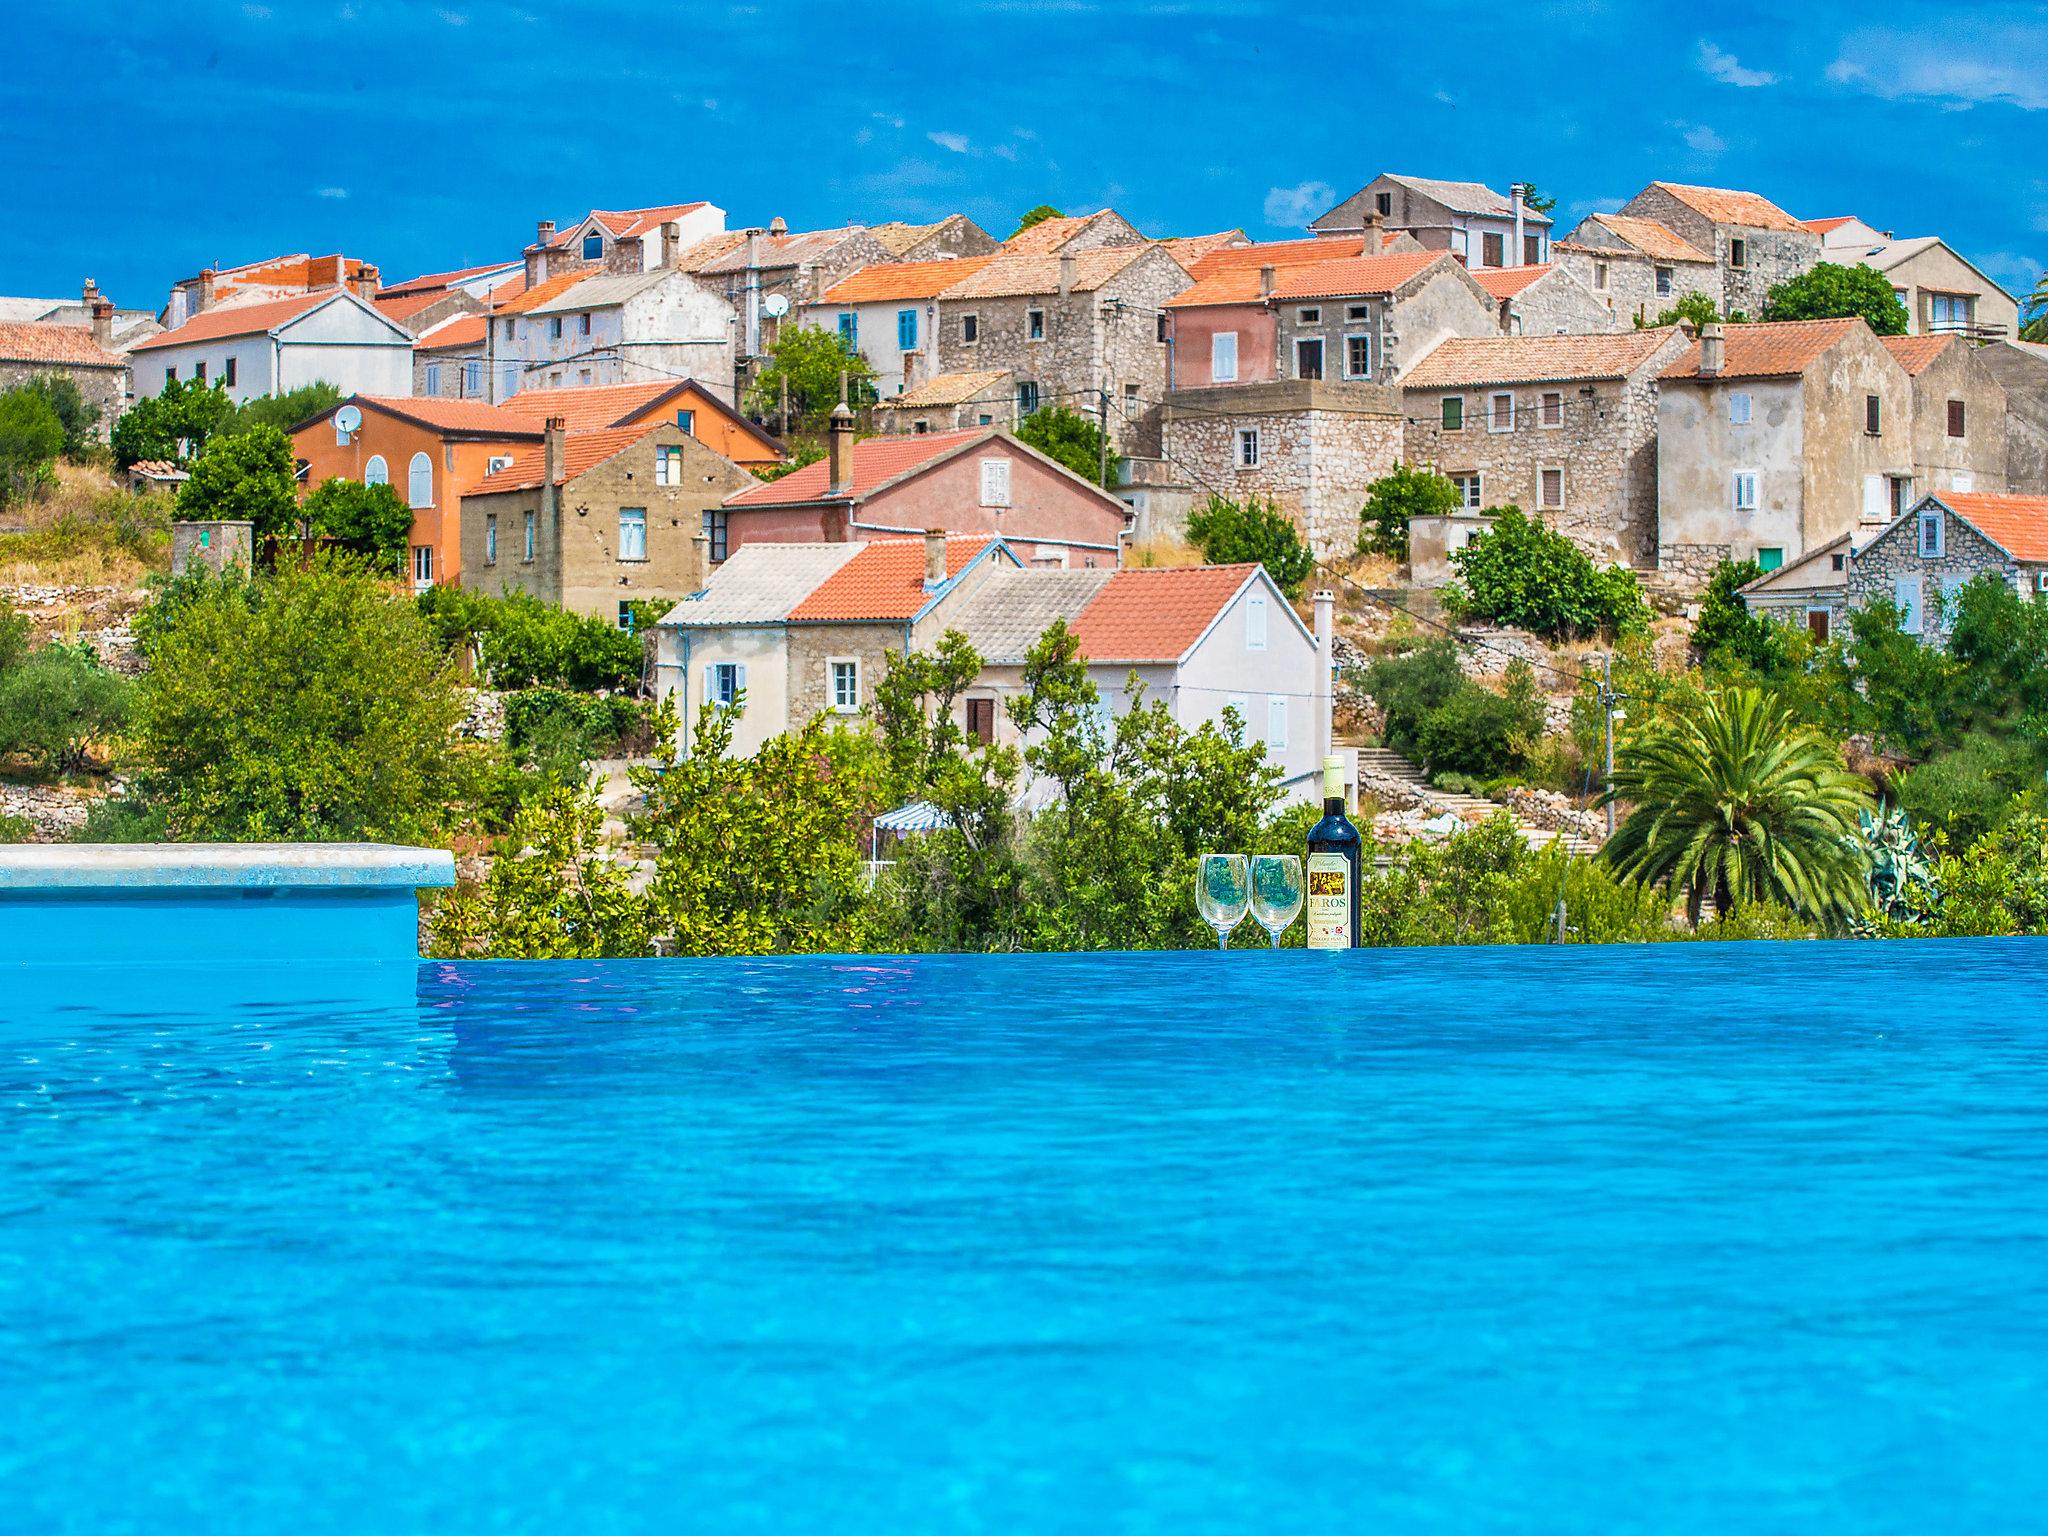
x=1917 y=353
x=633 y=221
x=402 y=306
x=876 y=460
x=296 y=271
x=443 y=280
x=1506 y=282
x=469 y=417
x=590 y=407
x=1232 y=275
x=581 y=453
x=1767 y=349
x=885 y=580
x=239 y=320
x=1364 y=274
x=1726 y=206
x=540 y=293
x=1822 y=226
x=1655 y=240
x=1158 y=614
x=2016 y=524
x=1189 y=250
x=903 y=280
x=31 y=341
x=462 y=331
x=1048 y=235
x=1461 y=362
x=1011 y=276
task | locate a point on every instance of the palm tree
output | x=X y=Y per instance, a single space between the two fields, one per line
x=1736 y=802
x=2036 y=327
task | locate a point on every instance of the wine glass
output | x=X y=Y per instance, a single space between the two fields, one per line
x=1276 y=891
x=1223 y=891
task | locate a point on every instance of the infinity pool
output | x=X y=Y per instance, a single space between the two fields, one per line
x=1699 y=1238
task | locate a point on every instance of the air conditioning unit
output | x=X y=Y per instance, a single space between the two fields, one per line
x=497 y=462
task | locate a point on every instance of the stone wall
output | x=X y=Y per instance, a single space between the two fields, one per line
x=1553 y=812
x=1560 y=304
x=104 y=389
x=1405 y=326
x=1771 y=256
x=2022 y=371
x=214 y=546
x=1631 y=287
x=812 y=646
x=1689 y=567
x=1966 y=554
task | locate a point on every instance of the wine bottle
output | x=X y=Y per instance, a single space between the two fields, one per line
x=1334 y=862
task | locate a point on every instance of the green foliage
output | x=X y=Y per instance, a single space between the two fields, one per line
x=284 y=411
x=245 y=476
x=1968 y=790
x=1727 y=632
x=16 y=829
x=522 y=642
x=1445 y=721
x=1901 y=879
x=1395 y=500
x=172 y=597
x=2034 y=325
x=812 y=359
x=802 y=451
x=371 y=521
x=1074 y=440
x=175 y=424
x=31 y=437
x=1535 y=199
x=75 y=414
x=1523 y=574
x=1231 y=533
x=315 y=706
x=1694 y=309
x=57 y=704
x=1828 y=291
x=1735 y=803
x=556 y=734
x=1037 y=215
x=16 y=636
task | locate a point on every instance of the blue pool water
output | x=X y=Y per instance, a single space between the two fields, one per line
x=1674 y=1240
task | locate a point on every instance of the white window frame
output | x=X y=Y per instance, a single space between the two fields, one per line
x=718 y=675
x=668 y=464
x=1543 y=470
x=1743 y=480
x=376 y=471
x=1474 y=498
x=1255 y=623
x=838 y=704
x=1741 y=408
x=490 y=538
x=1312 y=315
x=1493 y=411
x=1223 y=357
x=1246 y=454
x=1876 y=499
x=1364 y=338
x=423 y=565
x=419 y=481
x=1962 y=480
x=995 y=482
x=639 y=553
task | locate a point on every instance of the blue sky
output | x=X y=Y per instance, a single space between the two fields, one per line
x=145 y=141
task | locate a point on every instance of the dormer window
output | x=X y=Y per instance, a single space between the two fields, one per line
x=593 y=246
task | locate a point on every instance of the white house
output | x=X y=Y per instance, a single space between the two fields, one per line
x=889 y=313
x=596 y=328
x=270 y=346
x=621 y=240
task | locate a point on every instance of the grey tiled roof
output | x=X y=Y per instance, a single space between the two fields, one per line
x=1012 y=609
x=598 y=292
x=1468 y=197
x=760 y=584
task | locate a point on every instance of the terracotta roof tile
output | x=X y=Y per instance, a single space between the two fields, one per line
x=1506 y=282
x=468 y=417
x=442 y=280
x=1917 y=353
x=2017 y=524
x=541 y=293
x=591 y=407
x=1823 y=226
x=1475 y=360
x=1768 y=349
x=1048 y=235
x=1156 y=615
x=693 y=258
x=622 y=222
x=791 y=250
x=946 y=389
x=885 y=580
x=1232 y=275
x=894 y=280
x=1651 y=238
x=581 y=453
x=31 y=341
x=1189 y=250
x=1726 y=206
x=239 y=320
x=1015 y=277
x=461 y=331
x=1362 y=275
x=876 y=460
x=403 y=306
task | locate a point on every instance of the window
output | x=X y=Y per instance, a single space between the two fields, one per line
x=1276 y=722
x=1532 y=250
x=849 y=328
x=508 y=332
x=376 y=472
x=1930 y=534
x=1130 y=402
x=687 y=420
x=170 y=374
x=632 y=533
x=1738 y=252
x=1955 y=418
x=715 y=534
x=1239 y=704
x=1876 y=498
x=906 y=330
x=1873 y=415
x=1738 y=408
x=843 y=678
x=583 y=324
x=529 y=538
x=1454 y=413
x=981 y=720
x=490 y=538
x=1492 y=250
x=508 y=381
x=1500 y=413
x=1034 y=324
x=1552 y=414
x=625 y=614
x=419 y=481
x=1469 y=490
x=1357 y=357
x=1313 y=315
x=423 y=565
x=1839 y=562
x=583 y=376
x=668 y=464
x=1358 y=312
x=593 y=246
x=1745 y=490
x=724 y=681
x=1027 y=398
x=1600 y=276
x=1247 y=447
x=433 y=378
x=227 y=371
x=1159 y=326
x=199 y=370
x=1769 y=559
x=984 y=420
x=1818 y=623
x=995 y=482
x=555 y=328
x=1663 y=282
x=1383 y=203
x=1550 y=488
x=1907 y=593
x=920 y=427
x=1962 y=480
x=472 y=377
x=1308 y=358
x=1255 y=622
x=1223 y=357
x=1949 y=311
x=970 y=329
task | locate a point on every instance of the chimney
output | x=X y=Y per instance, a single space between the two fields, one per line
x=934 y=559
x=92 y=292
x=1711 y=355
x=205 y=292
x=1267 y=276
x=1069 y=268
x=671 y=242
x=551 y=448
x=544 y=232
x=102 y=321
x=778 y=225
x=839 y=450
x=368 y=281
x=1517 y=197
x=1326 y=671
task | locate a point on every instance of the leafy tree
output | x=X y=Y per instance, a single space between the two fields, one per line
x=284 y=411
x=1997 y=886
x=521 y=642
x=1535 y=199
x=801 y=452
x=57 y=704
x=1967 y=791
x=372 y=521
x=1232 y=533
x=1445 y=721
x=1395 y=500
x=1037 y=215
x=174 y=425
x=552 y=893
x=1736 y=804
x=1523 y=574
x=78 y=416
x=245 y=476
x=554 y=734
x=1727 y=631
x=1074 y=441
x=313 y=706
x=16 y=635
x=811 y=358
x=1828 y=291
x=2035 y=327
x=31 y=437
x=1907 y=695
x=1693 y=309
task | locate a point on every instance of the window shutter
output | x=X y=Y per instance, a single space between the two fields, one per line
x=711 y=684
x=1276 y=722
x=995 y=482
x=1223 y=356
x=739 y=679
x=1255 y=624
x=1906 y=592
x=1873 y=498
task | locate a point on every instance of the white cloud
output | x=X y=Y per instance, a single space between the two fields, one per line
x=710 y=103
x=337 y=193
x=2017 y=273
x=1982 y=63
x=256 y=12
x=887 y=117
x=454 y=18
x=1703 y=139
x=956 y=142
x=1290 y=207
x=1727 y=69
x=1005 y=152
x=1447 y=98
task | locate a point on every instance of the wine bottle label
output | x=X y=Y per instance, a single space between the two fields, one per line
x=1329 y=901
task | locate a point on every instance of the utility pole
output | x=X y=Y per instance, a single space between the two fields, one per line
x=1607 y=721
x=782 y=417
x=1102 y=429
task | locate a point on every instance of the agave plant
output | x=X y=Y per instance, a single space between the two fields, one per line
x=1736 y=803
x=1901 y=879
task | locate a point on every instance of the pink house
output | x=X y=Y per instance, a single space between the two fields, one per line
x=980 y=480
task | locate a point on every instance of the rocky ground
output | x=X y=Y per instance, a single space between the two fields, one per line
x=102 y=616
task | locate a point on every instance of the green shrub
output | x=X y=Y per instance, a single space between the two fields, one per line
x=1523 y=574
x=1252 y=531
x=522 y=642
x=31 y=437
x=174 y=424
x=1727 y=632
x=1448 y=723
x=58 y=703
x=75 y=414
x=556 y=733
x=372 y=521
x=245 y=477
x=16 y=829
x=1394 y=501
x=1968 y=791
x=1072 y=439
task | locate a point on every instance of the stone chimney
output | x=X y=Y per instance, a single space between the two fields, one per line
x=544 y=232
x=552 y=434
x=205 y=292
x=1326 y=670
x=1518 y=200
x=934 y=559
x=778 y=225
x=368 y=281
x=90 y=293
x=1712 y=356
x=671 y=242
x=102 y=320
x=1267 y=279
x=839 y=450
x=1070 y=266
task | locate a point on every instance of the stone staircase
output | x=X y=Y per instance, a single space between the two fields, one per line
x=1385 y=764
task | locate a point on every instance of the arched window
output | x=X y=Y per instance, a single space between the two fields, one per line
x=375 y=472
x=419 y=481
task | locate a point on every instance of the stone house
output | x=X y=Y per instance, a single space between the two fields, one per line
x=1776 y=439
x=1546 y=300
x=1941 y=291
x=275 y=277
x=1959 y=414
x=1564 y=427
x=594 y=521
x=449 y=362
x=767 y=275
x=595 y=328
x=1224 y=300
x=948 y=402
x=890 y=315
x=83 y=354
x=981 y=480
x=954 y=235
x=620 y=241
x=2021 y=367
x=1310 y=446
x=1638 y=268
x=1074 y=233
x=1941 y=544
x=694 y=407
x=124 y=327
x=271 y=346
x=421 y=309
x=1812 y=591
x=1466 y=218
x=1370 y=318
x=1755 y=243
x=1085 y=329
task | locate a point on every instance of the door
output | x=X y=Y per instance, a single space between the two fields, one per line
x=1308 y=358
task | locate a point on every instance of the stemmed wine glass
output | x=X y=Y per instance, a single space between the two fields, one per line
x=1276 y=892
x=1223 y=891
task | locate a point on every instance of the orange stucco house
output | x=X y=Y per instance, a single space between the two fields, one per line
x=602 y=407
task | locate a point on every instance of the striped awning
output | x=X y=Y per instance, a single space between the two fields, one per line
x=914 y=817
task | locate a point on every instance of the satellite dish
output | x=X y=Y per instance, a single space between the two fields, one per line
x=348 y=418
x=775 y=306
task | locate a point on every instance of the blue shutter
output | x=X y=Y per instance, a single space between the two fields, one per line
x=906 y=330
x=849 y=328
